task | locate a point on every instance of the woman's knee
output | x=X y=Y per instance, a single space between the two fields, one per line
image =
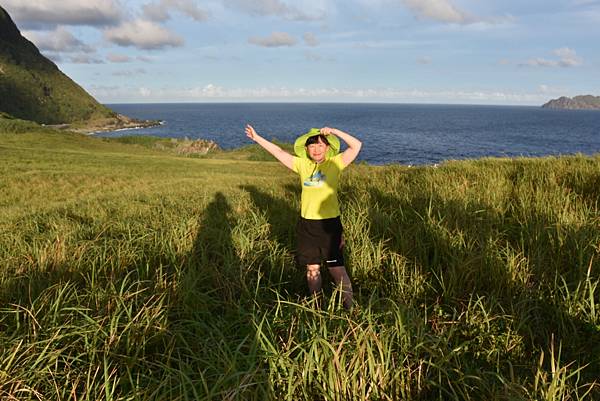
x=313 y=270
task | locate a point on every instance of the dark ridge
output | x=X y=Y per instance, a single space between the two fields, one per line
x=33 y=88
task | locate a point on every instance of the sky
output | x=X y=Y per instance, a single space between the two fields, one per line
x=509 y=52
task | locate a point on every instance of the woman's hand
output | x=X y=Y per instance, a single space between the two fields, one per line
x=354 y=144
x=250 y=132
x=328 y=131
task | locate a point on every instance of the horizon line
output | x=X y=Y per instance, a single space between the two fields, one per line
x=323 y=102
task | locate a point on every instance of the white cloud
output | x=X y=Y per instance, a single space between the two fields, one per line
x=424 y=60
x=315 y=57
x=44 y=13
x=145 y=59
x=541 y=62
x=310 y=39
x=566 y=58
x=548 y=89
x=261 y=7
x=311 y=56
x=143 y=34
x=59 y=40
x=118 y=58
x=160 y=11
x=156 y=12
x=84 y=59
x=209 y=90
x=129 y=73
x=214 y=92
x=276 y=39
x=277 y=8
x=439 y=10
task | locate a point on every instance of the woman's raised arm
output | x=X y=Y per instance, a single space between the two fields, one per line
x=284 y=157
x=354 y=144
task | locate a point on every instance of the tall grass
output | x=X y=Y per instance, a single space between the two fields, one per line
x=130 y=274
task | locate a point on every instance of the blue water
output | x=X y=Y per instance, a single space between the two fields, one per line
x=391 y=133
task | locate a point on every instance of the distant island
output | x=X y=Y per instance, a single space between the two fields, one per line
x=584 y=102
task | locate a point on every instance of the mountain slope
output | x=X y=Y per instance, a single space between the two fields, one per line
x=33 y=88
x=586 y=102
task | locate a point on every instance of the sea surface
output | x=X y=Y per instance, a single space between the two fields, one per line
x=391 y=133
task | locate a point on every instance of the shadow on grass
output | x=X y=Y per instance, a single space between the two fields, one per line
x=280 y=215
x=282 y=219
x=213 y=266
x=465 y=250
x=212 y=312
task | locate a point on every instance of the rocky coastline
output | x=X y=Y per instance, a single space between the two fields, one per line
x=116 y=123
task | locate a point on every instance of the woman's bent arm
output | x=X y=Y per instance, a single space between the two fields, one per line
x=354 y=144
x=284 y=157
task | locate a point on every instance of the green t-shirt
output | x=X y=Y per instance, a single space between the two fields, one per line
x=319 y=187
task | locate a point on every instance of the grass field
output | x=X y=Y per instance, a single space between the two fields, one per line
x=129 y=273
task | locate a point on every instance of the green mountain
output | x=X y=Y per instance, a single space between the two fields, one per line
x=33 y=88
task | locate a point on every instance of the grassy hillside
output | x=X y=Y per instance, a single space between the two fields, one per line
x=131 y=273
x=33 y=88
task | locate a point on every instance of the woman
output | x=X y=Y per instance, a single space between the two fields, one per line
x=319 y=231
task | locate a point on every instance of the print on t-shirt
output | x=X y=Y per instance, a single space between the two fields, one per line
x=315 y=180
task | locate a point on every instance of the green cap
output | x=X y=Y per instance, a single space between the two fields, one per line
x=300 y=144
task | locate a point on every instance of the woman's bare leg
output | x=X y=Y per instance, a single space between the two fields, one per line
x=313 y=278
x=340 y=277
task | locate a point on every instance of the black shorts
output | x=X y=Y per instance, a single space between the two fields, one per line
x=320 y=241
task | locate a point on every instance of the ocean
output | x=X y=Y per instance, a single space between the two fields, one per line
x=412 y=134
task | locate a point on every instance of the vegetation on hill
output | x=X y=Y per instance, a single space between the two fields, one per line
x=131 y=273
x=9 y=124
x=584 y=102
x=33 y=88
x=199 y=147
